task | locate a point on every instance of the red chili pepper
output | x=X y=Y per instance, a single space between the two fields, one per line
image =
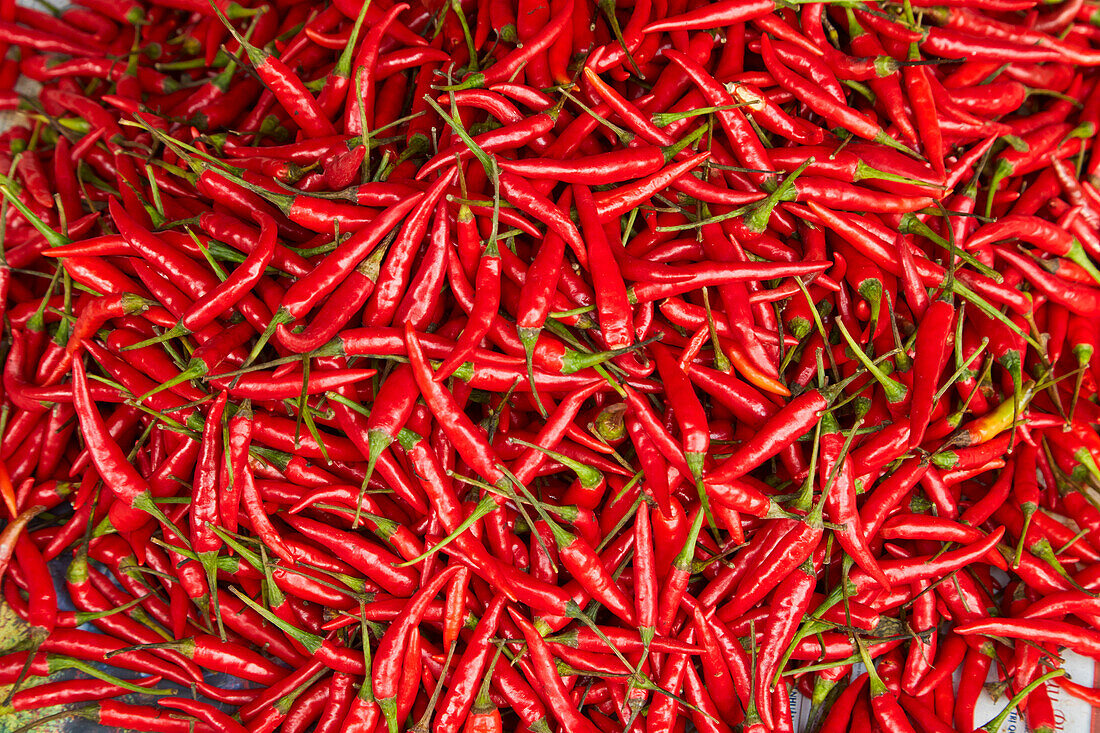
x=204 y=712
x=547 y=676
x=42 y=598
x=387 y=660
x=1081 y=640
x=472 y=667
x=369 y=559
x=918 y=87
x=307 y=291
x=122 y=478
x=113 y=714
x=505 y=68
x=839 y=114
x=718 y=15
x=486 y=302
x=931 y=355
x=204 y=503
x=782 y=429
x=1080 y=300
x=596 y=170
x=742 y=137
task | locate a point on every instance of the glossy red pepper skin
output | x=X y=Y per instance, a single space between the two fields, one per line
x=204 y=511
x=781 y=429
x=492 y=258
x=387 y=659
x=933 y=346
x=546 y=674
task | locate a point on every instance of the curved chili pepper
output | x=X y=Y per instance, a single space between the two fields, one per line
x=120 y=476
x=546 y=673
x=839 y=114
x=783 y=428
x=717 y=15
x=486 y=303
x=472 y=667
x=387 y=659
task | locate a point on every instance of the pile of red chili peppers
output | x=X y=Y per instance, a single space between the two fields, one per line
x=549 y=365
